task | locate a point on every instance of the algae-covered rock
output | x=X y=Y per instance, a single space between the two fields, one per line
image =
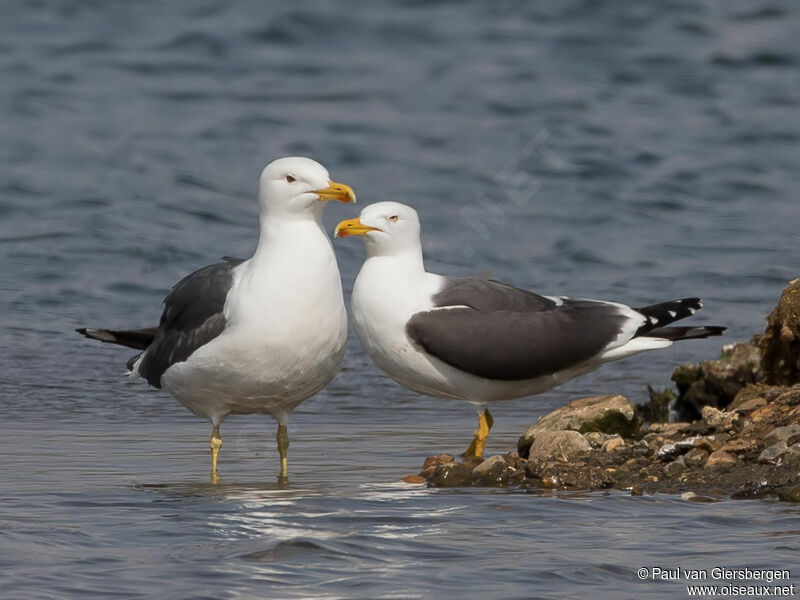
x=606 y=414
x=780 y=344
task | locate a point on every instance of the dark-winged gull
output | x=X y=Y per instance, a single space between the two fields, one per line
x=259 y=335
x=481 y=340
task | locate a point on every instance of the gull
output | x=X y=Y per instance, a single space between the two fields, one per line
x=259 y=335
x=481 y=340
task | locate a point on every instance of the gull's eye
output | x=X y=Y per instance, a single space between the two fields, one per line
x=393 y=218
x=290 y=179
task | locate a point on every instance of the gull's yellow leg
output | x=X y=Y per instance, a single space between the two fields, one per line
x=216 y=444
x=485 y=422
x=283 y=447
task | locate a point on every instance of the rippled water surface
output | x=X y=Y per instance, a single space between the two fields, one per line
x=629 y=151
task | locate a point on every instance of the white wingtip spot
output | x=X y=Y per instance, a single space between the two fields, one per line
x=672 y=313
x=652 y=320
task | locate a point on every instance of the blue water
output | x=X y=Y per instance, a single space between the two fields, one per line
x=634 y=152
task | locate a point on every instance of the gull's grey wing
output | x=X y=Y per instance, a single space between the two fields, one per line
x=497 y=331
x=192 y=317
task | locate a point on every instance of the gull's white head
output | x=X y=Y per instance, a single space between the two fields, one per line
x=387 y=228
x=298 y=186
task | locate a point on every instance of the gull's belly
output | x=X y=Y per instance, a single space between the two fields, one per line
x=268 y=369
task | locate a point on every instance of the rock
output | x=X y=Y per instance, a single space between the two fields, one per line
x=514 y=461
x=739 y=445
x=719 y=419
x=692 y=497
x=430 y=464
x=720 y=459
x=675 y=468
x=596 y=438
x=712 y=416
x=709 y=444
x=470 y=462
x=414 y=479
x=613 y=443
x=656 y=410
x=669 y=428
x=559 y=444
x=716 y=382
x=774 y=453
x=671 y=449
x=790 y=493
x=451 y=475
x=437 y=459
x=606 y=414
x=750 y=405
x=492 y=471
x=790 y=397
x=783 y=434
x=780 y=344
x=765 y=413
x=695 y=457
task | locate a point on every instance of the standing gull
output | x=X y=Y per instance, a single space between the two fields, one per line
x=480 y=340
x=259 y=335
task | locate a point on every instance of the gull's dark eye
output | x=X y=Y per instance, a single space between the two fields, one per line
x=393 y=218
x=290 y=179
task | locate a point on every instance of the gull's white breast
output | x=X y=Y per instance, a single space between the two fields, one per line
x=284 y=339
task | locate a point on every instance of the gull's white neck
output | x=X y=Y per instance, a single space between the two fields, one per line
x=394 y=284
x=283 y=234
x=405 y=262
x=293 y=271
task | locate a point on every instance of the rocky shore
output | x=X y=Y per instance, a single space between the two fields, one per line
x=737 y=433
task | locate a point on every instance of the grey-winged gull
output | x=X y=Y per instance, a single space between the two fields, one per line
x=259 y=335
x=481 y=340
